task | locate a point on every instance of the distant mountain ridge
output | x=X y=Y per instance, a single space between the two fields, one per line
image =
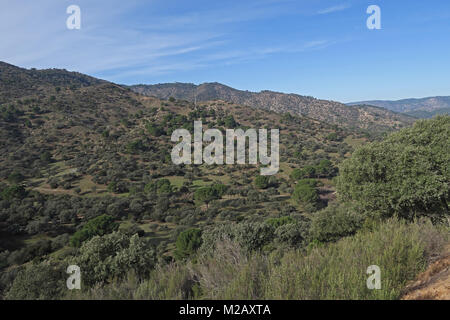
x=16 y=82
x=417 y=107
x=360 y=116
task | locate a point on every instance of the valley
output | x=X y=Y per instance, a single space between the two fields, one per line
x=87 y=178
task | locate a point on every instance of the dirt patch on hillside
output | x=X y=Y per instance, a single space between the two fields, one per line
x=433 y=283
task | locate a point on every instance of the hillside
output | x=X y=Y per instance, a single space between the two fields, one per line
x=419 y=108
x=363 y=117
x=74 y=147
x=433 y=283
x=72 y=117
x=86 y=178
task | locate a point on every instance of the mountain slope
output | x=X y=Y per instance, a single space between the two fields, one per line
x=84 y=147
x=74 y=148
x=68 y=121
x=421 y=108
x=361 y=116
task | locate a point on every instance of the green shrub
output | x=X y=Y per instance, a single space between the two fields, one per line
x=113 y=255
x=335 y=222
x=95 y=227
x=46 y=156
x=262 y=182
x=16 y=177
x=135 y=146
x=154 y=130
x=14 y=191
x=407 y=174
x=187 y=243
x=306 y=194
x=38 y=282
x=277 y=222
x=210 y=193
x=291 y=234
x=250 y=236
x=230 y=122
x=160 y=186
x=325 y=167
x=305 y=172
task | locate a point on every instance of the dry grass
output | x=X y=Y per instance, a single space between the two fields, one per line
x=433 y=283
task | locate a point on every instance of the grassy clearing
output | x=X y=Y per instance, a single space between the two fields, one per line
x=201 y=183
x=176 y=181
x=355 y=142
x=86 y=184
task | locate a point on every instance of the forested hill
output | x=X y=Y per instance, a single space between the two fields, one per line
x=366 y=117
x=55 y=121
x=86 y=179
x=74 y=148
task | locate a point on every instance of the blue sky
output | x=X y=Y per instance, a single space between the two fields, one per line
x=320 y=48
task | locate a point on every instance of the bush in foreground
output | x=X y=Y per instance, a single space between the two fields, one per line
x=406 y=175
x=332 y=271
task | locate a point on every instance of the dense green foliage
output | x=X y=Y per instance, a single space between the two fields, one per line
x=104 y=258
x=160 y=186
x=407 y=174
x=187 y=243
x=335 y=222
x=305 y=193
x=95 y=227
x=323 y=169
x=86 y=178
x=208 y=194
x=262 y=182
x=38 y=282
x=278 y=222
x=336 y=271
x=12 y=192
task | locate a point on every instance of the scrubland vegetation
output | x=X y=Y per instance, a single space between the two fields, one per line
x=333 y=271
x=86 y=179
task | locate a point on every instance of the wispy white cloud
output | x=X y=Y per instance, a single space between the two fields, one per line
x=335 y=8
x=112 y=43
x=37 y=37
x=220 y=58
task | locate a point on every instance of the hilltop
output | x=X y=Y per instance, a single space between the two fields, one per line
x=16 y=82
